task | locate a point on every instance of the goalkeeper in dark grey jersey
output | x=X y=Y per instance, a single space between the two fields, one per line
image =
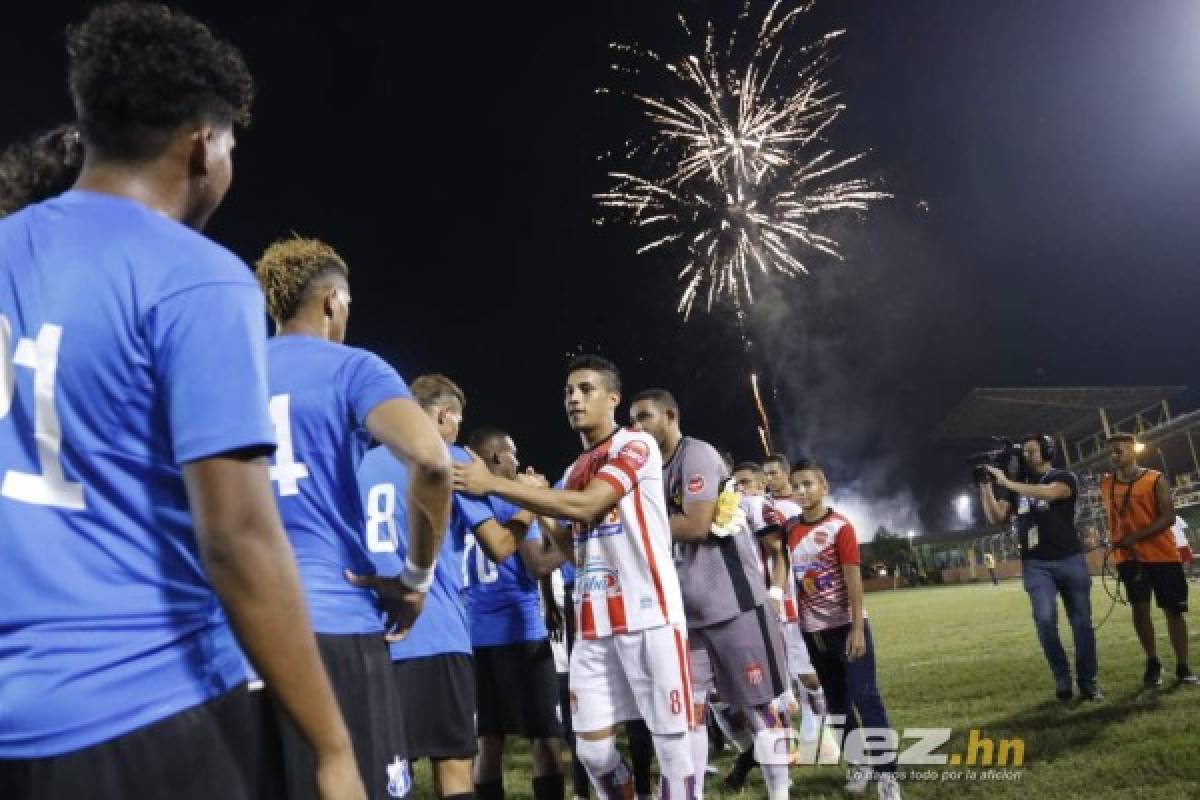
x=736 y=644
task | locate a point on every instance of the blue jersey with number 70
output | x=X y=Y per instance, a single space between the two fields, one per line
x=130 y=345
x=321 y=394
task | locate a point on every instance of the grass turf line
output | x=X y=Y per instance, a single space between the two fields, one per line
x=968 y=657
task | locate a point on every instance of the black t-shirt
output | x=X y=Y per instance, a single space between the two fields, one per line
x=1046 y=529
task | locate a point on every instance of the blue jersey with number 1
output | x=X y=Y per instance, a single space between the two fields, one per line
x=442 y=626
x=321 y=394
x=130 y=345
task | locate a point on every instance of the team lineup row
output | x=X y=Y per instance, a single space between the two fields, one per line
x=172 y=539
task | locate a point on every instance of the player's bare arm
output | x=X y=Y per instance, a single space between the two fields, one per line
x=253 y=570
x=554 y=617
x=694 y=524
x=1050 y=491
x=500 y=540
x=582 y=505
x=540 y=556
x=995 y=510
x=856 y=644
x=559 y=533
x=406 y=430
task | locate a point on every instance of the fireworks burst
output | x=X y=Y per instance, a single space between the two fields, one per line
x=735 y=169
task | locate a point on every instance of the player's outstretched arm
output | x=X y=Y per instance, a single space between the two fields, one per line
x=410 y=435
x=251 y=566
x=540 y=556
x=582 y=505
x=500 y=540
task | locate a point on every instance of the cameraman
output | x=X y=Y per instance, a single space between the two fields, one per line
x=1051 y=555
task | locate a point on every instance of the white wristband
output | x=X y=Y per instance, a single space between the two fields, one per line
x=775 y=593
x=418 y=579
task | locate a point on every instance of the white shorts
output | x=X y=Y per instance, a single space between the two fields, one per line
x=640 y=675
x=799 y=662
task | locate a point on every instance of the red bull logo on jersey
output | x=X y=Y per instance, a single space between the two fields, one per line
x=695 y=484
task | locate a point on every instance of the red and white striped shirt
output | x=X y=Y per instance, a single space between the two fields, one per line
x=818 y=552
x=767 y=515
x=626 y=579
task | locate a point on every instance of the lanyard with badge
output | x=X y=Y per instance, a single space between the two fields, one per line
x=1024 y=507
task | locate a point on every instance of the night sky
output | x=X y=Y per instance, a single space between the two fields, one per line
x=1045 y=230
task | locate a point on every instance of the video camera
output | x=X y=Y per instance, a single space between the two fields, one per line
x=1006 y=456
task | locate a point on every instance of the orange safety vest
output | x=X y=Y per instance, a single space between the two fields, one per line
x=1131 y=507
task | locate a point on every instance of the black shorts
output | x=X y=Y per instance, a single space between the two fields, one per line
x=216 y=749
x=438 y=697
x=516 y=687
x=360 y=671
x=1166 y=580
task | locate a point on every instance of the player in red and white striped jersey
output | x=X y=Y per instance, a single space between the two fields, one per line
x=631 y=657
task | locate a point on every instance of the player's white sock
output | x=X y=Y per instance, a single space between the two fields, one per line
x=698 y=739
x=678 y=779
x=775 y=776
x=603 y=763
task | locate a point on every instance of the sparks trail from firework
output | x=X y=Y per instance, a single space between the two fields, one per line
x=734 y=174
x=764 y=430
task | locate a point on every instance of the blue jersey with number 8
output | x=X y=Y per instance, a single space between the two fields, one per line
x=129 y=346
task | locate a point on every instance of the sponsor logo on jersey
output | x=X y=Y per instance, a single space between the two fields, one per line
x=695 y=484
x=597 y=577
x=610 y=525
x=636 y=453
x=399 y=777
x=815 y=580
x=754 y=673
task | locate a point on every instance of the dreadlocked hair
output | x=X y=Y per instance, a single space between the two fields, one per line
x=289 y=267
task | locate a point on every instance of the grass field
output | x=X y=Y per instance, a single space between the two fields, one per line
x=967 y=657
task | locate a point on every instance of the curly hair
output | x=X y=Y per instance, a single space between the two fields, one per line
x=288 y=267
x=138 y=71
x=40 y=168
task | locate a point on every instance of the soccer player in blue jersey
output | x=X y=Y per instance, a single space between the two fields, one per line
x=135 y=507
x=327 y=400
x=433 y=664
x=514 y=665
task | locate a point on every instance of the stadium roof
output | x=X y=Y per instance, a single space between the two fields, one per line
x=1066 y=410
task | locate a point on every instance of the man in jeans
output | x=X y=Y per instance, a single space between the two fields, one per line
x=1052 y=556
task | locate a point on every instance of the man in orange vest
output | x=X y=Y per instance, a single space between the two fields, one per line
x=1140 y=513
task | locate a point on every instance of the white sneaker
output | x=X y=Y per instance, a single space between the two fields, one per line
x=888 y=786
x=857 y=779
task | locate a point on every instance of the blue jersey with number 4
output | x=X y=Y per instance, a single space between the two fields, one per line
x=503 y=600
x=321 y=394
x=442 y=626
x=130 y=345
